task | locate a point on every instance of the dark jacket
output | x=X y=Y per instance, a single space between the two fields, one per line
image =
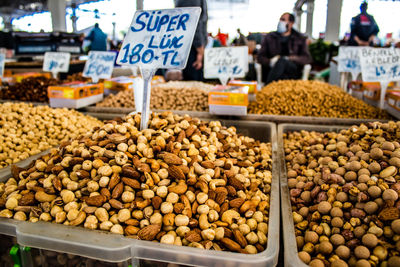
x=98 y=40
x=363 y=26
x=271 y=46
x=200 y=37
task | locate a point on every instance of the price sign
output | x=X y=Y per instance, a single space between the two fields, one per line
x=225 y=63
x=99 y=65
x=158 y=39
x=2 y=62
x=349 y=60
x=380 y=65
x=56 y=62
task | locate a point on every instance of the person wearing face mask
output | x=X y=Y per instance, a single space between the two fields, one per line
x=283 y=52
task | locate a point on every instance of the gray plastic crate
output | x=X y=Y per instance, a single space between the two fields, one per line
x=291 y=258
x=109 y=247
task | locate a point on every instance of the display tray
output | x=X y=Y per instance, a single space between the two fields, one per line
x=392 y=111
x=109 y=247
x=291 y=258
x=249 y=117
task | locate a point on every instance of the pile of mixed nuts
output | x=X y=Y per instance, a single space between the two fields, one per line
x=182 y=181
x=344 y=190
x=32 y=89
x=27 y=130
x=311 y=98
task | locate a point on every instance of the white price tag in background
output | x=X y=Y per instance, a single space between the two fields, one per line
x=225 y=63
x=56 y=62
x=2 y=63
x=349 y=60
x=99 y=65
x=160 y=38
x=380 y=65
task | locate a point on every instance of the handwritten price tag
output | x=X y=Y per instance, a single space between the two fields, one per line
x=99 y=65
x=380 y=65
x=56 y=62
x=349 y=60
x=225 y=63
x=2 y=62
x=160 y=38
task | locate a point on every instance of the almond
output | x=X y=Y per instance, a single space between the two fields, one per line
x=149 y=232
x=135 y=184
x=82 y=174
x=231 y=190
x=236 y=203
x=156 y=202
x=220 y=198
x=117 y=191
x=116 y=204
x=185 y=169
x=27 y=199
x=193 y=236
x=239 y=237
x=105 y=192
x=208 y=164
x=131 y=230
x=96 y=201
x=230 y=244
x=181 y=136
x=389 y=214
x=176 y=172
x=170 y=158
x=190 y=130
x=130 y=172
x=115 y=179
x=57 y=169
x=236 y=183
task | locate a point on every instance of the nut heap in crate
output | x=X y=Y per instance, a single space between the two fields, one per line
x=182 y=181
x=344 y=190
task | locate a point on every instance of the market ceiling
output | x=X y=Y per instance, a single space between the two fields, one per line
x=17 y=8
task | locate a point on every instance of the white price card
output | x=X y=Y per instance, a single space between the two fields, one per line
x=349 y=60
x=2 y=63
x=380 y=65
x=56 y=62
x=160 y=38
x=226 y=62
x=99 y=65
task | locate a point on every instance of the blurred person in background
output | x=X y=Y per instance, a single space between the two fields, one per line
x=240 y=40
x=194 y=66
x=363 y=28
x=222 y=37
x=98 y=39
x=284 y=52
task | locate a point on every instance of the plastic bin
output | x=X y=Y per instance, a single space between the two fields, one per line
x=109 y=247
x=291 y=258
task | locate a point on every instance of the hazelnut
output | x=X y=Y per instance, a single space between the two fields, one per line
x=361 y=252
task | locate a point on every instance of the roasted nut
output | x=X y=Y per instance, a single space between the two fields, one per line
x=182 y=181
